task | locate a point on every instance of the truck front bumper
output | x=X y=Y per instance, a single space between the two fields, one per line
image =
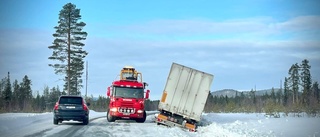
x=116 y=113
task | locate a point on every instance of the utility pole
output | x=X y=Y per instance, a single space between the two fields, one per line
x=86 y=78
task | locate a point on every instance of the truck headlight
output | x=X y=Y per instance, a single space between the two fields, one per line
x=113 y=109
x=140 y=111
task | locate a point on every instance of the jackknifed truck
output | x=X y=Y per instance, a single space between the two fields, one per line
x=184 y=97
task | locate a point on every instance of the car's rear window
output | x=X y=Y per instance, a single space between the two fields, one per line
x=70 y=100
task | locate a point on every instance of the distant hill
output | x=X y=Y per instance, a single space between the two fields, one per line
x=224 y=92
x=232 y=92
x=262 y=92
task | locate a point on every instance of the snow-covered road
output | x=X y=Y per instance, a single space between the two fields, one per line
x=233 y=125
x=35 y=124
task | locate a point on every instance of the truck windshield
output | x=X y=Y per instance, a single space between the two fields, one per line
x=126 y=92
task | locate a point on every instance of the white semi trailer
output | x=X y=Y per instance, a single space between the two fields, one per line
x=184 y=97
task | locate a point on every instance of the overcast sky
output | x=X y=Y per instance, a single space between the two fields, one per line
x=244 y=44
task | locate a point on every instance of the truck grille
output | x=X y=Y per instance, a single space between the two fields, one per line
x=127 y=104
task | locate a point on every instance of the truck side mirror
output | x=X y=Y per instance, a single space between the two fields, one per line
x=147 y=94
x=108 y=92
x=145 y=84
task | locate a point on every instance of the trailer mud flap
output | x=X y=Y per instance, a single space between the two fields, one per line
x=162 y=119
x=191 y=127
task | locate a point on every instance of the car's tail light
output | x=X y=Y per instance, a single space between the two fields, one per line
x=85 y=107
x=56 y=106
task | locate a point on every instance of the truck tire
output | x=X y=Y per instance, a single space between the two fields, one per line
x=55 y=121
x=110 y=118
x=142 y=120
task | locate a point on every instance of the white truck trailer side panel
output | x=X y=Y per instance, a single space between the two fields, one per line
x=186 y=91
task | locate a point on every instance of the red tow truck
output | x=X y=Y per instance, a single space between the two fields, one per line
x=127 y=96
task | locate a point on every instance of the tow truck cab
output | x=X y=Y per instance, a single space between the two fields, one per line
x=127 y=97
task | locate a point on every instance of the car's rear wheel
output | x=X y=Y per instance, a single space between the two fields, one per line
x=110 y=118
x=86 y=121
x=55 y=121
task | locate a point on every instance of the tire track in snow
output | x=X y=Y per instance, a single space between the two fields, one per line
x=65 y=129
x=97 y=126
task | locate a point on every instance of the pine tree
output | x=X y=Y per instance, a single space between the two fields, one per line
x=294 y=82
x=15 y=94
x=42 y=103
x=279 y=96
x=77 y=71
x=46 y=98
x=2 y=84
x=306 y=81
x=209 y=103
x=285 y=92
x=25 y=94
x=67 y=48
x=53 y=97
x=316 y=91
x=237 y=99
x=242 y=98
x=7 y=94
x=253 y=96
x=36 y=103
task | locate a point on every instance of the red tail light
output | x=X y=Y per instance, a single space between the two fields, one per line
x=85 y=107
x=56 y=106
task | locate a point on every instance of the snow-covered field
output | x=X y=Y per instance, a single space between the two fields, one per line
x=214 y=124
x=240 y=124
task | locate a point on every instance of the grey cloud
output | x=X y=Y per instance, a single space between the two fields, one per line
x=300 y=23
x=261 y=27
x=231 y=59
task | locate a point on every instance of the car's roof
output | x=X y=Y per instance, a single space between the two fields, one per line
x=72 y=96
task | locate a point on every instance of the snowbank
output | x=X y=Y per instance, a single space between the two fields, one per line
x=256 y=124
x=213 y=125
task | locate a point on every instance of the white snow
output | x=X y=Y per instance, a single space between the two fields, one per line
x=213 y=124
x=21 y=124
x=241 y=124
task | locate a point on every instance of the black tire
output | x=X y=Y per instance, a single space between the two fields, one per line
x=142 y=120
x=55 y=121
x=85 y=121
x=110 y=118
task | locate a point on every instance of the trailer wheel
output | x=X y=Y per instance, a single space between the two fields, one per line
x=110 y=118
x=142 y=120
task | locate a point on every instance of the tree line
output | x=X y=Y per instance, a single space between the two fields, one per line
x=299 y=94
x=15 y=97
x=19 y=97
